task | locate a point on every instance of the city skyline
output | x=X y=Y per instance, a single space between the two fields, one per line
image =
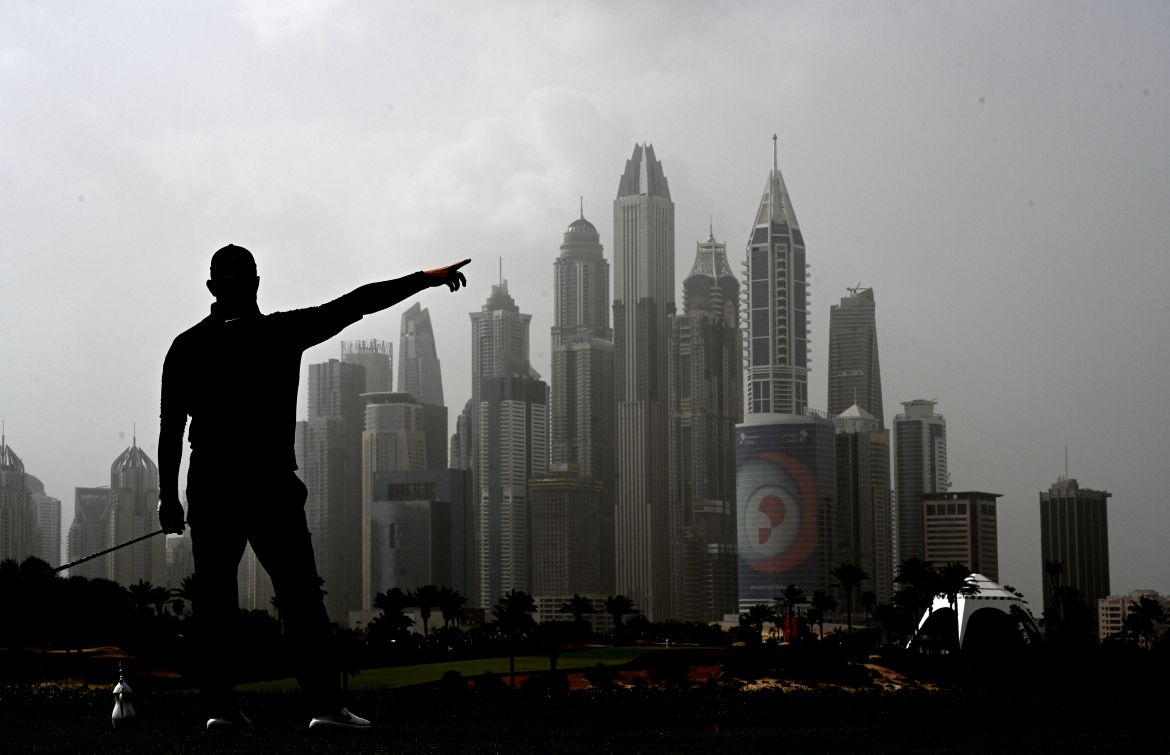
x=958 y=193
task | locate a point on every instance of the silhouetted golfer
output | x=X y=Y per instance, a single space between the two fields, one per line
x=236 y=375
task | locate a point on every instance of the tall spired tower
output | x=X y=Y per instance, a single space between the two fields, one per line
x=777 y=316
x=643 y=243
x=785 y=485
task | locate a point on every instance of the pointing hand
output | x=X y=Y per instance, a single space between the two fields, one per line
x=448 y=276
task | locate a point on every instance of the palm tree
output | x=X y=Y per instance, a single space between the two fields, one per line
x=424 y=599
x=1143 y=619
x=954 y=580
x=754 y=619
x=822 y=603
x=791 y=597
x=920 y=580
x=514 y=615
x=849 y=576
x=391 y=623
x=141 y=596
x=451 y=603
x=579 y=607
x=619 y=606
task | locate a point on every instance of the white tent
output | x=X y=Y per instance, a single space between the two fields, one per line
x=990 y=595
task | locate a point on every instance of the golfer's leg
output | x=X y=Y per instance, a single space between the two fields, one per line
x=284 y=549
x=217 y=547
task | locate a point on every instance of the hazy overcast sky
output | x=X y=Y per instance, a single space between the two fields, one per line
x=999 y=173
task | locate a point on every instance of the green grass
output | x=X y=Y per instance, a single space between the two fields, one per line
x=391 y=677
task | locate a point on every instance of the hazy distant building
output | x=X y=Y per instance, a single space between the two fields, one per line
x=47 y=532
x=572 y=528
x=331 y=467
x=393 y=440
x=378 y=359
x=854 y=371
x=419 y=371
x=785 y=488
x=1112 y=610
x=582 y=356
x=513 y=448
x=643 y=229
x=920 y=467
x=461 y=441
x=134 y=512
x=961 y=527
x=864 y=520
x=1074 y=531
x=785 y=455
x=420 y=375
x=17 y=516
x=706 y=402
x=422 y=530
x=777 y=306
x=574 y=505
x=91 y=531
x=255 y=586
x=180 y=559
x=499 y=340
x=509 y=442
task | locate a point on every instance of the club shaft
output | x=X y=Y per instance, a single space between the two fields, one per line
x=92 y=556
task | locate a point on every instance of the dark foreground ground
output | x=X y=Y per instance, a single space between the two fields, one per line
x=707 y=718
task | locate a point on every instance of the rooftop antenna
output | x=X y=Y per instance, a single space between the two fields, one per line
x=772 y=199
x=582 y=198
x=1066 y=462
x=501 y=271
x=711 y=226
x=134 y=433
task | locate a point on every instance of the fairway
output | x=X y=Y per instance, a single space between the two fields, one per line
x=391 y=677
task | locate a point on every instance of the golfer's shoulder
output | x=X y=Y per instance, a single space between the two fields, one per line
x=191 y=339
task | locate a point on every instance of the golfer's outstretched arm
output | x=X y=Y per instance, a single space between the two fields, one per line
x=374 y=297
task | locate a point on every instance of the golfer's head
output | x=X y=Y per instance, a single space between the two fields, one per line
x=233 y=274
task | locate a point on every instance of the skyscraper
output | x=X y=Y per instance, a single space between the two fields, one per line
x=572 y=509
x=777 y=311
x=17 y=518
x=378 y=359
x=854 y=371
x=513 y=448
x=509 y=443
x=961 y=527
x=643 y=231
x=48 y=521
x=864 y=531
x=134 y=486
x=420 y=375
x=419 y=371
x=421 y=521
x=920 y=452
x=1074 y=532
x=90 y=531
x=331 y=470
x=785 y=482
x=706 y=402
x=393 y=439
